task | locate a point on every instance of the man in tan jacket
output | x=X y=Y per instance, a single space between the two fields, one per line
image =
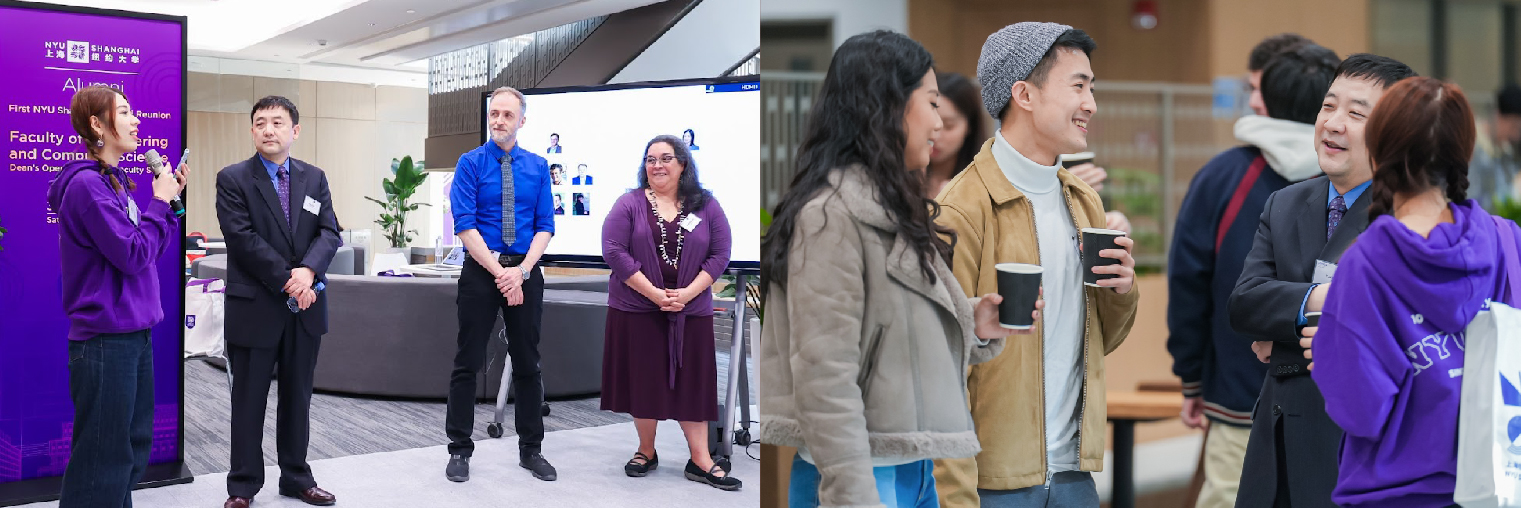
x=1039 y=407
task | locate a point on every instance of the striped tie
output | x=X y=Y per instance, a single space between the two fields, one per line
x=509 y=198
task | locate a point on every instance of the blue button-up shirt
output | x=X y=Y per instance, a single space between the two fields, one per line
x=1348 y=198
x=274 y=169
x=477 y=196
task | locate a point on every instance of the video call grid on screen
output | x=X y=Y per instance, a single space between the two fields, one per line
x=602 y=132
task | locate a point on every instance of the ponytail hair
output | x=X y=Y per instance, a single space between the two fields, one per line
x=1421 y=135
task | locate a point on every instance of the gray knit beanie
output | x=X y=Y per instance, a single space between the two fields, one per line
x=1008 y=57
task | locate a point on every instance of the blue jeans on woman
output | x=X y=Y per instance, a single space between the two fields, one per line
x=910 y=485
x=111 y=383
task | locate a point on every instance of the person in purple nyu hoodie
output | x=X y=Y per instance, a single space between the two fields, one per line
x=107 y=247
x=1389 y=350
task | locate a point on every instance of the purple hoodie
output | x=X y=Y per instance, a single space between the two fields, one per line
x=1389 y=354
x=110 y=278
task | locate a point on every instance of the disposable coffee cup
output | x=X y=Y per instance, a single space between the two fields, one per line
x=1076 y=159
x=1019 y=285
x=1096 y=240
x=1312 y=318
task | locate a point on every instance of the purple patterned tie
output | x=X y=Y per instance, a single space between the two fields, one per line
x=1333 y=215
x=283 y=187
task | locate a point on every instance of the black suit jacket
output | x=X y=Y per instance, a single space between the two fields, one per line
x=262 y=248
x=1264 y=306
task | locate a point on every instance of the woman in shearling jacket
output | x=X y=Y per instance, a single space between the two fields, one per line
x=868 y=337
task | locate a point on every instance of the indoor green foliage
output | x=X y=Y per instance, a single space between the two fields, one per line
x=1505 y=207
x=399 y=193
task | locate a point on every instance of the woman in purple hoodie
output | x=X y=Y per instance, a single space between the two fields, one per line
x=1389 y=350
x=108 y=246
x=666 y=241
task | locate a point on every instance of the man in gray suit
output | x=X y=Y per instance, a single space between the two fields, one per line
x=1303 y=231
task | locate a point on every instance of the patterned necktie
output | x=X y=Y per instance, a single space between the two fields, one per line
x=509 y=197
x=283 y=187
x=1333 y=215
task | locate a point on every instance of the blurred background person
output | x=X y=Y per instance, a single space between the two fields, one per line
x=1263 y=54
x=1492 y=173
x=108 y=249
x=965 y=130
x=1387 y=377
x=666 y=242
x=832 y=286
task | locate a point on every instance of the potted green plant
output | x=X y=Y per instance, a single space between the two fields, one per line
x=399 y=193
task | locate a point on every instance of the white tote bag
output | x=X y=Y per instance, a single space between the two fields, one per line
x=1489 y=415
x=205 y=312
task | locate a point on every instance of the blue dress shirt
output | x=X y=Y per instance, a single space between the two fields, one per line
x=477 y=196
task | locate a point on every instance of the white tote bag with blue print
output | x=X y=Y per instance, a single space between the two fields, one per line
x=205 y=312
x=1489 y=415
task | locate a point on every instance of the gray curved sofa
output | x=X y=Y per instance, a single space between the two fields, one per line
x=397 y=336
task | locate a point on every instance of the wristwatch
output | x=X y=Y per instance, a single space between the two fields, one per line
x=524 y=269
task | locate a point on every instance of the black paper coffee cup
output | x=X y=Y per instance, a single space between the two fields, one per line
x=1076 y=159
x=1312 y=319
x=1096 y=240
x=1019 y=285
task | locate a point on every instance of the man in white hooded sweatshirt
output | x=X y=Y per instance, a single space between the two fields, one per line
x=1213 y=235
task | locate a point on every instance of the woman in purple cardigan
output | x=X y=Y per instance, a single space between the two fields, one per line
x=666 y=242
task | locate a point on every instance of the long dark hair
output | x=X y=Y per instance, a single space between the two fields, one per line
x=688 y=190
x=1420 y=135
x=857 y=119
x=967 y=99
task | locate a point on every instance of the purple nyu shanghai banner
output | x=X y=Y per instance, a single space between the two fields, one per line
x=46 y=56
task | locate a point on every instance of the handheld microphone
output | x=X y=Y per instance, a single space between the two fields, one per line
x=156 y=163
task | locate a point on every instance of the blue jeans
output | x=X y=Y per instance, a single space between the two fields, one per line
x=1074 y=489
x=907 y=486
x=111 y=383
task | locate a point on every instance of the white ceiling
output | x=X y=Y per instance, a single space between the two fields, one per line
x=395 y=35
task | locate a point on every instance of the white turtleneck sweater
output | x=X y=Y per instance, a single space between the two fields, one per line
x=1062 y=344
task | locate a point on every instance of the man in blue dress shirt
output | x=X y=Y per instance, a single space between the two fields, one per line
x=504 y=245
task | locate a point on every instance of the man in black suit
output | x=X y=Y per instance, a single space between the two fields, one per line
x=1303 y=231
x=277 y=215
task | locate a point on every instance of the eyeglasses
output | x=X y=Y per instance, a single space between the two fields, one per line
x=650 y=161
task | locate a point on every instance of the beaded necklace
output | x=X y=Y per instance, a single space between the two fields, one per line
x=680 y=232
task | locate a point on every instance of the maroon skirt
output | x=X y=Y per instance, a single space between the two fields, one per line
x=636 y=368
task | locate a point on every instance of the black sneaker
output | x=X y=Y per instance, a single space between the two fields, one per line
x=539 y=467
x=458 y=469
x=696 y=474
x=638 y=469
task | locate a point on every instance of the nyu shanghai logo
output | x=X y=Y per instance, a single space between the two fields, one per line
x=82 y=52
x=1512 y=397
x=190 y=322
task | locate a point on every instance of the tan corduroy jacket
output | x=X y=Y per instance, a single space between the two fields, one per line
x=862 y=357
x=995 y=224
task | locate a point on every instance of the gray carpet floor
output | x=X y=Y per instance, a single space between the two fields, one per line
x=344 y=425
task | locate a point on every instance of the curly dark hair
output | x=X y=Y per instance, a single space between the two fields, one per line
x=857 y=119
x=688 y=189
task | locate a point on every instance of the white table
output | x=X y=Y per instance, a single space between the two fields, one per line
x=430 y=270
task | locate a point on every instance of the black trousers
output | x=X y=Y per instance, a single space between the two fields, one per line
x=479 y=301
x=294 y=362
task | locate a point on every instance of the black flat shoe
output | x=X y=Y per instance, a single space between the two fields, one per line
x=638 y=469
x=696 y=474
